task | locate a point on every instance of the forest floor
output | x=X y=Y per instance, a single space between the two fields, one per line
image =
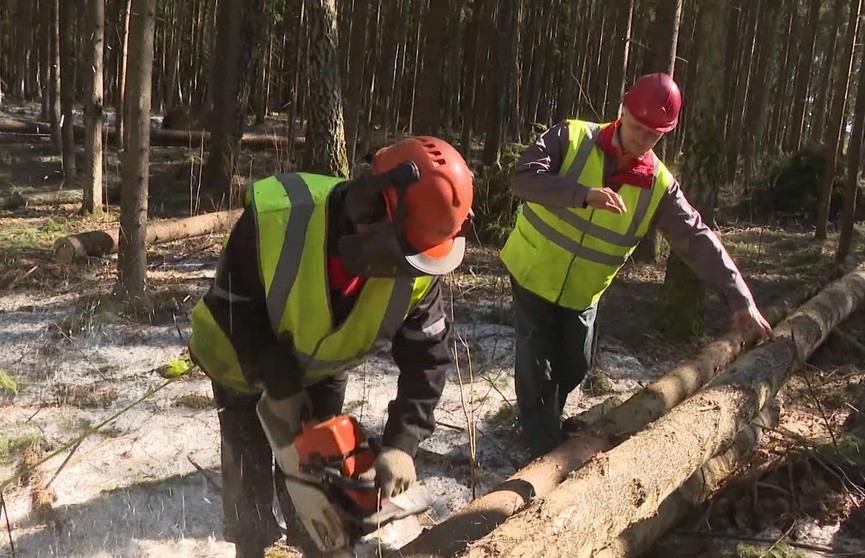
x=147 y=482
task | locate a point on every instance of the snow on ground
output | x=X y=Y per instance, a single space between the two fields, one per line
x=131 y=489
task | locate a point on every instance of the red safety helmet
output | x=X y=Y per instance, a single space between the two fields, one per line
x=436 y=208
x=655 y=101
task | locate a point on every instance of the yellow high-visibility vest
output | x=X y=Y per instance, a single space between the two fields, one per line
x=570 y=256
x=291 y=221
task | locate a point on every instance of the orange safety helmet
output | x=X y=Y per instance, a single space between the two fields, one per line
x=655 y=101
x=431 y=213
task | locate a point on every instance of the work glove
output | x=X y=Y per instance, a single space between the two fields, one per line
x=394 y=471
x=281 y=420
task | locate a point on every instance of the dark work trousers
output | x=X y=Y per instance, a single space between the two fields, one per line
x=553 y=355
x=248 y=465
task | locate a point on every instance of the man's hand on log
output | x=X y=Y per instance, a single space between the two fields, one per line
x=750 y=320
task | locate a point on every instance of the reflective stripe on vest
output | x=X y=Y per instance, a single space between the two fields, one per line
x=301 y=203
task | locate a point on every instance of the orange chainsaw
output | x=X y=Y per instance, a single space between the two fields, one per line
x=334 y=499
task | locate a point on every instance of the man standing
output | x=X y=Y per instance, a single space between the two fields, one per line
x=316 y=274
x=591 y=192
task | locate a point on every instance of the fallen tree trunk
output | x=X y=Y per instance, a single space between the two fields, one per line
x=159 y=136
x=57 y=197
x=16 y=126
x=100 y=243
x=541 y=476
x=624 y=486
x=701 y=486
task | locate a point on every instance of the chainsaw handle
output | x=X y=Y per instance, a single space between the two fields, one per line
x=336 y=478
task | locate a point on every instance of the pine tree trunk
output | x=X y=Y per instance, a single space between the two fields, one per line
x=737 y=118
x=248 y=61
x=67 y=87
x=120 y=94
x=54 y=89
x=851 y=185
x=470 y=78
x=759 y=95
x=796 y=123
x=666 y=28
x=818 y=133
x=93 y=115
x=132 y=252
x=501 y=78
x=325 y=146
x=354 y=83
x=835 y=125
x=45 y=56
x=731 y=66
x=429 y=105
x=786 y=75
x=619 y=59
x=680 y=309
x=569 y=72
x=225 y=80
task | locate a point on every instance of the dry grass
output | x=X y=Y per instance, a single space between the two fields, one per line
x=87 y=396
x=197 y=401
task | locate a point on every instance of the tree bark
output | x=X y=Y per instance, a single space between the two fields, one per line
x=737 y=118
x=817 y=132
x=45 y=28
x=119 y=100
x=429 y=105
x=625 y=486
x=759 y=96
x=680 y=310
x=132 y=253
x=17 y=200
x=67 y=87
x=541 y=476
x=325 y=150
x=668 y=15
x=224 y=80
x=470 y=78
x=354 y=83
x=699 y=488
x=851 y=185
x=160 y=137
x=93 y=115
x=796 y=124
x=96 y=244
x=621 y=47
x=54 y=88
x=501 y=79
x=835 y=125
x=780 y=107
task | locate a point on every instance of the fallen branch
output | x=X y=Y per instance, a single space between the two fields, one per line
x=158 y=136
x=541 y=476
x=57 y=197
x=100 y=243
x=624 y=486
